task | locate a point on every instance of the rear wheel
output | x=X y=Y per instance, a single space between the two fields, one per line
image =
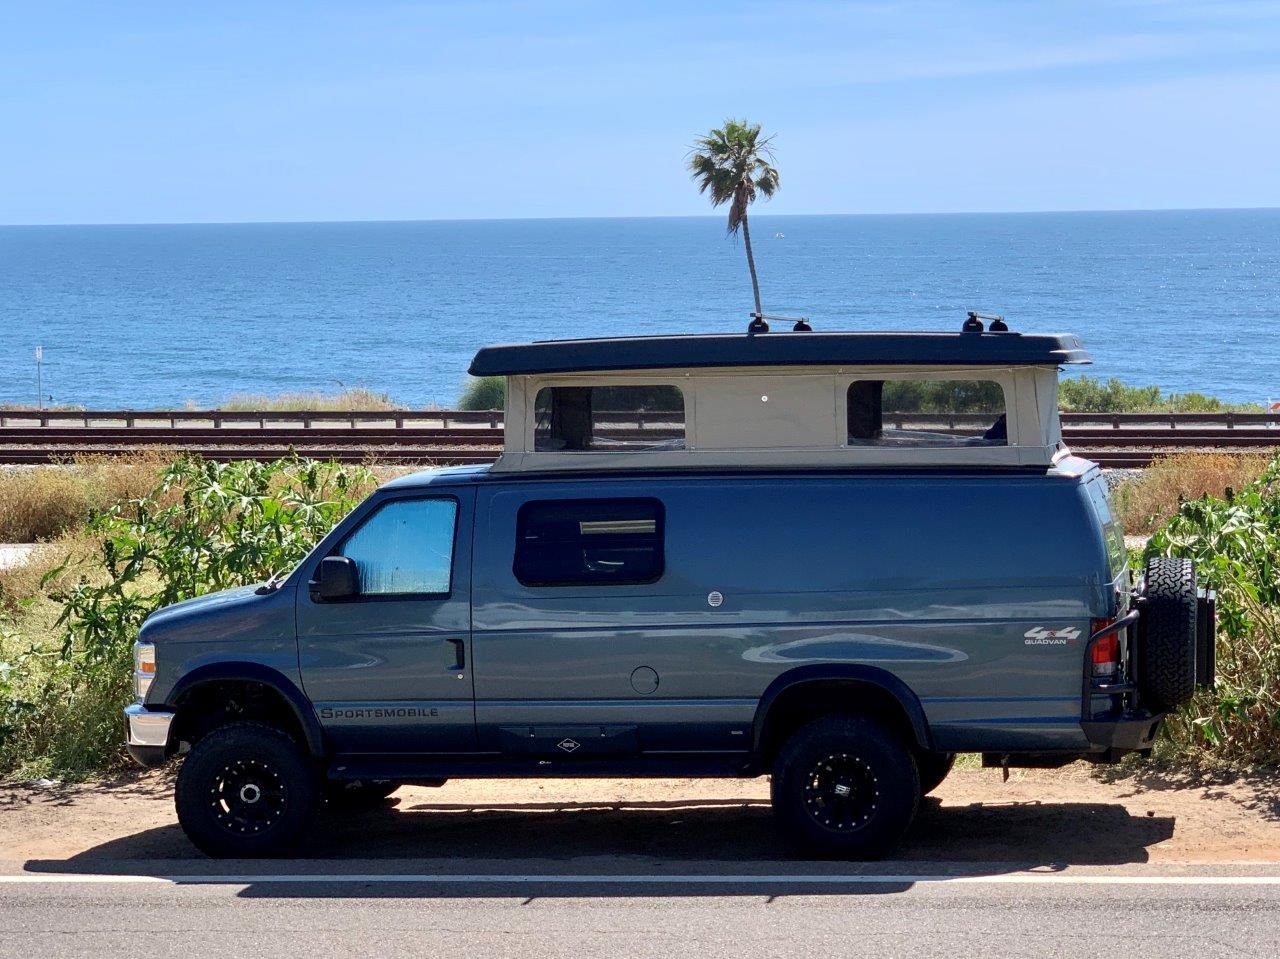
x=1166 y=642
x=934 y=768
x=845 y=787
x=246 y=790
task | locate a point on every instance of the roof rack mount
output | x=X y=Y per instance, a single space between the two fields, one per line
x=760 y=323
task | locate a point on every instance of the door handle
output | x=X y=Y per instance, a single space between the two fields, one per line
x=459 y=655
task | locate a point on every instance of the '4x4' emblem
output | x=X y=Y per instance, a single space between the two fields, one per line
x=568 y=745
x=1040 y=636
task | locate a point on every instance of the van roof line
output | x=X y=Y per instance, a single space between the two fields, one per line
x=699 y=351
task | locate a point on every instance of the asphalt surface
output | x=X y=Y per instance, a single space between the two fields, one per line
x=634 y=907
x=657 y=868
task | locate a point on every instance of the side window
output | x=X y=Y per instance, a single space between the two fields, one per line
x=406 y=547
x=589 y=542
x=608 y=418
x=927 y=413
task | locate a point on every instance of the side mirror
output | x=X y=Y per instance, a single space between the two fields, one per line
x=337 y=578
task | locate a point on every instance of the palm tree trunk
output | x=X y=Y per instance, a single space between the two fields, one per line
x=751 y=263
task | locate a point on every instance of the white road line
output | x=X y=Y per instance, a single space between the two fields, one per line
x=1048 y=879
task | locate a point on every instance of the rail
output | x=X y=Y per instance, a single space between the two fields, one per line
x=443 y=437
x=492 y=419
x=218 y=419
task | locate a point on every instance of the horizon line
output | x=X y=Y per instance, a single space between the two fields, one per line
x=675 y=216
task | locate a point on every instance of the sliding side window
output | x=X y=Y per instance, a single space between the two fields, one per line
x=594 y=542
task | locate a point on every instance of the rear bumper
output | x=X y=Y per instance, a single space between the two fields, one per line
x=148 y=736
x=1113 y=738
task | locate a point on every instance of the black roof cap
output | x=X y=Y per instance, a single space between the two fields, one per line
x=779 y=349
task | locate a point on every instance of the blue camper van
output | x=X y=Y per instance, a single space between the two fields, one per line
x=834 y=559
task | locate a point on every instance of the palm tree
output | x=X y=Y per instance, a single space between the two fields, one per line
x=732 y=165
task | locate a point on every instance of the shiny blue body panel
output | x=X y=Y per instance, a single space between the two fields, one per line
x=932 y=578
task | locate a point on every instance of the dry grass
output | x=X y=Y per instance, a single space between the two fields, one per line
x=353 y=400
x=38 y=503
x=33 y=408
x=42 y=502
x=26 y=580
x=1146 y=502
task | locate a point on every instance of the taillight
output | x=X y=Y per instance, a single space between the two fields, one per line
x=1106 y=652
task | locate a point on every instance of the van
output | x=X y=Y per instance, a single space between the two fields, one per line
x=835 y=559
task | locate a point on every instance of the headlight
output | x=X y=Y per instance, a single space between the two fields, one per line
x=144 y=668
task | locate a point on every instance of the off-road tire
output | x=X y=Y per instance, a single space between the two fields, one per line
x=858 y=754
x=247 y=790
x=356 y=794
x=933 y=768
x=1166 y=641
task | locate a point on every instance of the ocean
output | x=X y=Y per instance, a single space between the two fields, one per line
x=158 y=316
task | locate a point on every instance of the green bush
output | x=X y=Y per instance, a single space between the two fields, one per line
x=1235 y=542
x=484 y=393
x=1085 y=394
x=65 y=653
x=205 y=527
x=230 y=524
x=942 y=396
x=1076 y=395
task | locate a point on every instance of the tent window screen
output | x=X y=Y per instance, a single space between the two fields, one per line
x=927 y=413
x=589 y=542
x=608 y=418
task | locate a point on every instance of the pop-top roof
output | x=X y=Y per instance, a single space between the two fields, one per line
x=779 y=349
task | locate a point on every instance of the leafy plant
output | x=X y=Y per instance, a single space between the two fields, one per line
x=15 y=708
x=206 y=527
x=1235 y=542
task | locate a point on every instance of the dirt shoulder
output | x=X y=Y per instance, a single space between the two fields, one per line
x=1050 y=818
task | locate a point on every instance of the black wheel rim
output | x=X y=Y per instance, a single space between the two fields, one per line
x=841 y=792
x=247 y=797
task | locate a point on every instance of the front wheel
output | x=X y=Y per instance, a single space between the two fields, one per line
x=246 y=790
x=845 y=787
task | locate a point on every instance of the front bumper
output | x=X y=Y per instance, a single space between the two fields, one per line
x=148 y=739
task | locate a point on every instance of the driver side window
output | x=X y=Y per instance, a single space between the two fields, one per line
x=405 y=548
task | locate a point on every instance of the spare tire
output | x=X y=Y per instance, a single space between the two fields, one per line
x=1166 y=640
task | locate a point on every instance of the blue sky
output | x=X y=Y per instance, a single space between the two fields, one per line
x=227 y=111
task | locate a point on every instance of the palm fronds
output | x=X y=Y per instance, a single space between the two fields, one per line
x=733 y=164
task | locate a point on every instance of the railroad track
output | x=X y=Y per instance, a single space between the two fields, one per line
x=1124 y=441
x=425 y=457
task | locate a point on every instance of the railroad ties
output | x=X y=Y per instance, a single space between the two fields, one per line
x=451 y=437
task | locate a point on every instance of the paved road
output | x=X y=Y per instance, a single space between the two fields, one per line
x=636 y=907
